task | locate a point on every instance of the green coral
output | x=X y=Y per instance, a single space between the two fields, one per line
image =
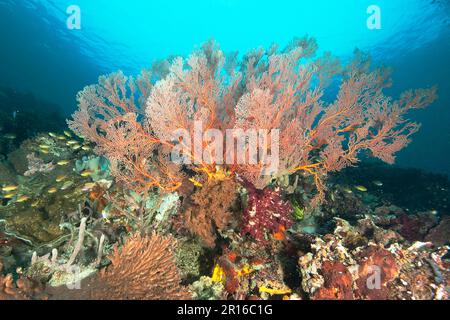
x=299 y=212
x=206 y=289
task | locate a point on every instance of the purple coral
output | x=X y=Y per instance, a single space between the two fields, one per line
x=266 y=211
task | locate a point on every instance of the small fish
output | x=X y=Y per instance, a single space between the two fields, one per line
x=71 y=142
x=280 y=234
x=51 y=134
x=60 y=178
x=86 y=173
x=22 y=199
x=44 y=146
x=195 y=182
x=61 y=137
x=9 y=136
x=67 y=133
x=377 y=183
x=86 y=148
x=35 y=203
x=63 y=162
x=52 y=190
x=434 y=212
x=67 y=185
x=44 y=151
x=347 y=190
x=10 y=187
x=76 y=147
x=361 y=188
x=9 y=195
x=88 y=186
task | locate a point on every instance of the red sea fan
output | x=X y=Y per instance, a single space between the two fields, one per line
x=277 y=91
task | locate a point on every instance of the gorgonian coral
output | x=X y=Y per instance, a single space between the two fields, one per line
x=280 y=91
x=143 y=269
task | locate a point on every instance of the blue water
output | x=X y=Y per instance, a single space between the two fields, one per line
x=40 y=55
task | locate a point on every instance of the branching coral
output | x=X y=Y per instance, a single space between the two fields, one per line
x=210 y=209
x=108 y=116
x=273 y=90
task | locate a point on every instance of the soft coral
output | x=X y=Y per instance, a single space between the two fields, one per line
x=266 y=211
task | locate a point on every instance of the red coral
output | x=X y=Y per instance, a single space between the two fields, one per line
x=414 y=227
x=440 y=235
x=266 y=211
x=338 y=282
x=377 y=267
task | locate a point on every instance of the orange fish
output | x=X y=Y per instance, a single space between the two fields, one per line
x=279 y=235
x=232 y=256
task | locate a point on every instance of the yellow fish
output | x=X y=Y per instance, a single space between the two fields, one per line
x=86 y=173
x=195 y=182
x=76 y=147
x=61 y=138
x=22 y=199
x=361 y=188
x=51 y=134
x=60 y=178
x=378 y=183
x=86 y=148
x=71 y=142
x=67 y=185
x=10 y=136
x=62 y=162
x=52 y=190
x=44 y=151
x=9 y=195
x=347 y=190
x=67 y=133
x=88 y=186
x=10 y=187
x=44 y=146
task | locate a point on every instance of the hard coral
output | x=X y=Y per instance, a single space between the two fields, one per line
x=440 y=235
x=266 y=211
x=22 y=289
x=338 y=282
x=377 y=267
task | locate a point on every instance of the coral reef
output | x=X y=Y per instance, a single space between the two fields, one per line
x=144 y=268
x=140 y=201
